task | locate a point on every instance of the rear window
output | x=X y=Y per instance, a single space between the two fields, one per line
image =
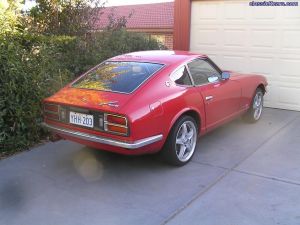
x=122 y=77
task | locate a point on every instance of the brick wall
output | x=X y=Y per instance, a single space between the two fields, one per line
x=166 y=39
x=169 y=41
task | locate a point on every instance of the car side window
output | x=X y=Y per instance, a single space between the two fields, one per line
x=201 y=70
x=181 y=76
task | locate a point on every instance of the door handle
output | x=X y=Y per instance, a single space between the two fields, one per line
x=207 y=98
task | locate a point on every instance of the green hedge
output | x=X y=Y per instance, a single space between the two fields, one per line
x=33 y=67
x=30 y=69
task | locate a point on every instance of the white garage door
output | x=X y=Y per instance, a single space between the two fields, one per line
x=263 y=40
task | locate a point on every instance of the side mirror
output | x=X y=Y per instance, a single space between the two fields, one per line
x=225 y=75
x=212 y=79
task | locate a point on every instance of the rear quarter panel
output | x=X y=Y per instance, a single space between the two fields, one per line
x=156 y=106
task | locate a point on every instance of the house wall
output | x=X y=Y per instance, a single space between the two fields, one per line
x=165 y=39
x=165 y=36
x=169 y=41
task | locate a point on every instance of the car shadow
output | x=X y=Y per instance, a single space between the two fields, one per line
x=90 y=163
x=224 y=146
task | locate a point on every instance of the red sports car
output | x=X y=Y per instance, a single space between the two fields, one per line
x=145 y=102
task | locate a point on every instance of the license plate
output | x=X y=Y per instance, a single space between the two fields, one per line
x=81 y=119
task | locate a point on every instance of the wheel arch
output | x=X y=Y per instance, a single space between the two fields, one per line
x=259 y=86
x=190 y=112
x=168 y=152
x=262 y=87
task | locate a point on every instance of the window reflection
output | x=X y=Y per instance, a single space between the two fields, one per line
x=118 y=76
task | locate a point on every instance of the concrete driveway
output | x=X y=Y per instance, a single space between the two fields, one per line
x=241 y=174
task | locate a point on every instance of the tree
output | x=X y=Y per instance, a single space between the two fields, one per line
x=117 y=23
x=10 y=12
x=64 y=17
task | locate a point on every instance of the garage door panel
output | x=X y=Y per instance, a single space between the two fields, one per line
x=263 y=13
x=208 y=37
x=291 y=39
x=289 y=96
x=238 y=62
x=207 y=11
x=290 y=69
x=234 y=37
x=262 y=65
x=262 y=40
x=234 y=11
x=290 y=79
x=291 y=13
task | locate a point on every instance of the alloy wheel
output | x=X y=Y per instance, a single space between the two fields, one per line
x=186 y=139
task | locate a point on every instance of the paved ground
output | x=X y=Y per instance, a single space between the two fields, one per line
x=241 y=174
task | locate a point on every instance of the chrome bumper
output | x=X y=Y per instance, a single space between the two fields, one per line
x=89 y=137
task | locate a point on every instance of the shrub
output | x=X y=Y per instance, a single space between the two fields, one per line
x=103 y=45
x=30 y=70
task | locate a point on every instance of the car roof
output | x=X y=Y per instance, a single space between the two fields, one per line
x=158 y=56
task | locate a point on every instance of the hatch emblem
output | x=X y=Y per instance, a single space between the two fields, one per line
x=112 y=104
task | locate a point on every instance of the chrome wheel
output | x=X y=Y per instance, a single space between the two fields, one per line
x=181 y=143
x=186 y=139
x=257 y=105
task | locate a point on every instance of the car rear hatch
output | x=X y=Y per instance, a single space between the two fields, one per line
x=95 y=100
x=89 y=109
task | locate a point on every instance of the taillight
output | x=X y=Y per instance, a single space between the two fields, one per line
x=51 y=108
x=116 y=119
x=51 y=116
x=52 y=111
x=115 y=124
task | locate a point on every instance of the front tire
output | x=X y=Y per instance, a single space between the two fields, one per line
x=254 y=112
x=181 y=143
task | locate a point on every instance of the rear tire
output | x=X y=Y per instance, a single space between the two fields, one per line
x=255 y=111
x=181 y=142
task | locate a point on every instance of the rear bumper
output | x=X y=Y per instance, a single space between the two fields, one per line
x=106 y=141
